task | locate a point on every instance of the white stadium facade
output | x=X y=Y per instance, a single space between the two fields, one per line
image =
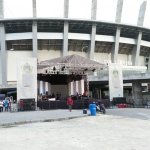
x=48 y=38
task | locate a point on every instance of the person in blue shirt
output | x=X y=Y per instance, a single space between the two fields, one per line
x=6 y=105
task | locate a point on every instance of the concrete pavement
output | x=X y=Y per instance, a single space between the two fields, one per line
x=113 y=131
x=7 y=118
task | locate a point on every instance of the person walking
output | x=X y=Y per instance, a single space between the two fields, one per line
x=6 y=105
x=70 y=103
x=1 y=105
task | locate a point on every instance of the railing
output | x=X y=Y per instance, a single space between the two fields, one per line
x=126 y=76
x=138 y=103
x=15 y=107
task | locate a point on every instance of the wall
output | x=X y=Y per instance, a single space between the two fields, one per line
x=12 y=63
x=122 y=57
x=60 y=88
x=0 y=70
x=104 y=56
x=141 y=61
x=83 y=54
x=45 y=54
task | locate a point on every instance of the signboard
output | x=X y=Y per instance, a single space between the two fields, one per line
x=26 y=78
x=115 y=81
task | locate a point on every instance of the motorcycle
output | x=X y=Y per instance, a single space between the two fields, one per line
x=100 y=107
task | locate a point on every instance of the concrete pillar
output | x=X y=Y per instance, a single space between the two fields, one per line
x=75 y=87
x=65 y=39
x=3 y=54
x=81 y=86
x=142 y=14
x=66 y=29
x=42 y=87
x=70 y=85
x=91 y=47
x=1 y=9
x=66 y=8
x=34 y=8
x=34 y=41
x=115 y=46
x=38 y=86
x=3 y=46
x=136 y=48
x=148 y=69
x=119 y=11
x=34 y=31
x=137 y=92
x=94 y=9
x=46 y=88
x=49 y=89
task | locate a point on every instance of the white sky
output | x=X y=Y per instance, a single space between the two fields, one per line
x=106 y=9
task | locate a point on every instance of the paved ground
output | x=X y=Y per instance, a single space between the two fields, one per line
x=137 y=113
x=7 y=118
x=119 y=129
x=37 y=116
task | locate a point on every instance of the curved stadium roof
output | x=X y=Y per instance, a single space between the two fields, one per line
x=75 y=26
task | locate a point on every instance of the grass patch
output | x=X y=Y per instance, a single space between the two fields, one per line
x=8 y=126
x=47 y=120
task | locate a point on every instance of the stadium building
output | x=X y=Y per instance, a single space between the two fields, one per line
x=104 y=42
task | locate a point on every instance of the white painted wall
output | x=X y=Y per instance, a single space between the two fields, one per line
x=12 y=63
x=45 y=54
x=0 y=70
x=141 y=61
x=102 y=56
x=83 y=54
x=122 y=57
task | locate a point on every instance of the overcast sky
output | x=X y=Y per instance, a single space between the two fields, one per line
x=106 y=9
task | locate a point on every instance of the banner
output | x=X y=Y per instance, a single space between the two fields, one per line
x=115 y=81
x=26 y=78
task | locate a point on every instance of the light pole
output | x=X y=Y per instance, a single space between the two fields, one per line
x=87 y=82
x=84 y=47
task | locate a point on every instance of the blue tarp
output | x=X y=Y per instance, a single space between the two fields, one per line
x=2 y=96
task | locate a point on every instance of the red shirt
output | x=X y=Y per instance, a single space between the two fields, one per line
x=21 y=103
x=69 y=101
